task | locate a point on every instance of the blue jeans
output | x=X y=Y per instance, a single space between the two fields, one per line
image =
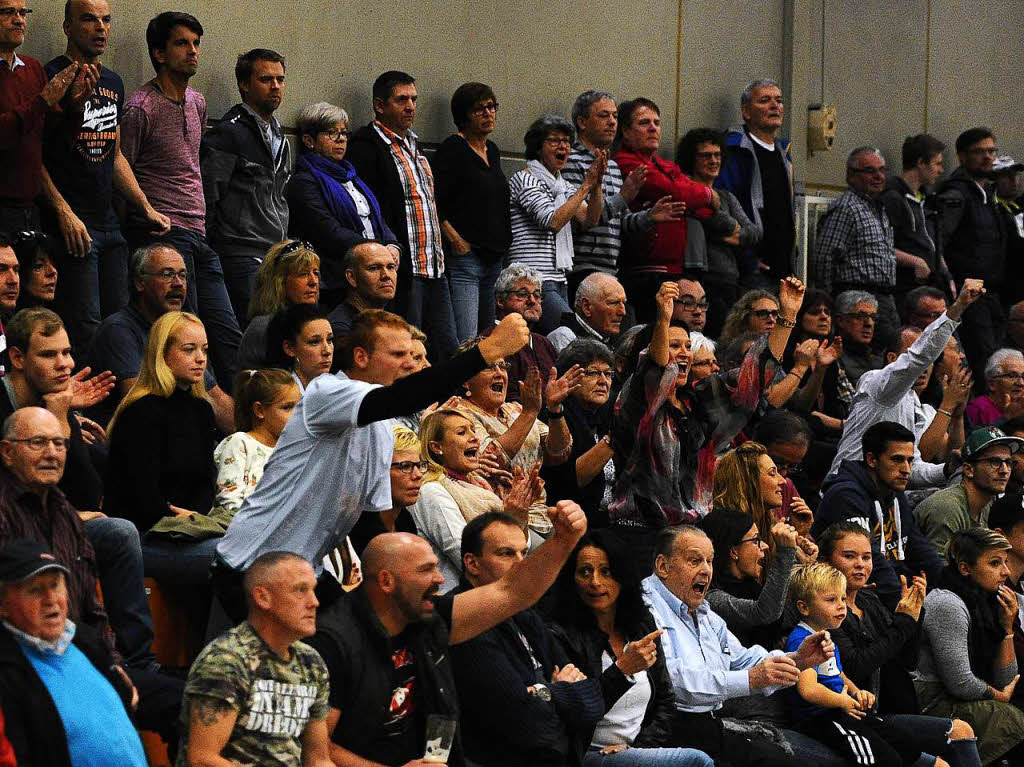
x=184 y=566
x=554 y=303
x=429 y=307
x=807 y=750
x=119 y=560
x=649 y=757
x=240 y=266
x=92 y=287
x=471 y=280
x=208 y=297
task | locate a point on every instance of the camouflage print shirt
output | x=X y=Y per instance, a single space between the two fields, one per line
x=275 y=699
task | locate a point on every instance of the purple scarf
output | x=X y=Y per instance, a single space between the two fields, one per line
x=331 y=175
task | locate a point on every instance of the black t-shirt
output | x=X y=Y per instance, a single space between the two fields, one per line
x=776 y=246
x=83 y=169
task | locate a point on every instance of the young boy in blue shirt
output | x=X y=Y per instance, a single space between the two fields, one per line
x=826 y=705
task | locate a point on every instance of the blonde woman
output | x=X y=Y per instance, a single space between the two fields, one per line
x=289 y=275
x=162 y=438
x=757 y=311
x=453 y=493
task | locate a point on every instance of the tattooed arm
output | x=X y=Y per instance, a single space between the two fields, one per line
x=211 y=723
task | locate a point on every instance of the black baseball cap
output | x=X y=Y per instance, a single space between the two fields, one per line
x=23 y=558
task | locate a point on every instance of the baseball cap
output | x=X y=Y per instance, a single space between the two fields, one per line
x=23 y=558
x=1004 y=163
x=986 y=437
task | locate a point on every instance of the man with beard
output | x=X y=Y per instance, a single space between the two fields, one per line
x=988 y=458
x=389 y=640
x=371 y=271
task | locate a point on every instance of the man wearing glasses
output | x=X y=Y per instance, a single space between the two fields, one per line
x=691 y=307
x=973 y=240
x=854 y=247
x=246 y=164
x=987 y=464
x=28 y=106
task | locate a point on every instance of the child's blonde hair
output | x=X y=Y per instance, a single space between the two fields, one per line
x=808 y=580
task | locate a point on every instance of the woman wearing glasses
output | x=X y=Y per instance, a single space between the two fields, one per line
x=1004 y=395
x=472 y=202
x=543 y=204
x=329 y=205
x=757 y=311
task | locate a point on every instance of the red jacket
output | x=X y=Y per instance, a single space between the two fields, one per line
x=660 y=248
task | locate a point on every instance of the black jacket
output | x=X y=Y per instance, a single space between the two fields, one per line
x=971 y=229
x=243 y=185
x=560 y=479
x=910 y=231
x=372 y=160
x=584 y=646
x=32 y=722
x=852 y=494
x=357 y=651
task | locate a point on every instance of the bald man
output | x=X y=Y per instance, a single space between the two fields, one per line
x=389 y=639
x=599 y=308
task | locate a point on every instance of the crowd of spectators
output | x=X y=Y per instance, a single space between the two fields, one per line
x=565 y=468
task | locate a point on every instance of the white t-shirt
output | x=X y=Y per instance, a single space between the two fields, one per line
x=362 y=208
x=621 y=723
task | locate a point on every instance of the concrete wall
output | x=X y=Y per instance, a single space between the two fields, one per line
x=538 y=55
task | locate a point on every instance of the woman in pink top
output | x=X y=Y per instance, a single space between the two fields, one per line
x=1004 y=398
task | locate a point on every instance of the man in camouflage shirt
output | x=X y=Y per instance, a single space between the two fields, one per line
x=256 y=695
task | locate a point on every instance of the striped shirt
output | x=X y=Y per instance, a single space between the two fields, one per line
x=854 y=244
x=424 y=229
x=533 y=207
x=597 y=248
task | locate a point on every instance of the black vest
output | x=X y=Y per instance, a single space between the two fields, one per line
x=976 y=247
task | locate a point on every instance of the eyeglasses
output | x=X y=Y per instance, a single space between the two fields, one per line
x=689 y=304
x=996 y=463
x=490 y=106
x=756 y=540
x=12 y=12
x=785 y=467
x=764 y=314
x=863 y=316
x=708 y=155
x=558 y=141
x=704 y=363
x=337 y=136
x=169 y=275
x=36 y=444
x=406 y=467
x=1011 y=376
x=524 y=294
x=499 y=365
x=595 y=374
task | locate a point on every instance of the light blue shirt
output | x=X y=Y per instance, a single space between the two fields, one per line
x=707 y=664
x=324 y=473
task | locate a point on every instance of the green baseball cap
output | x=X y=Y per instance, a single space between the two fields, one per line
x=987 y=436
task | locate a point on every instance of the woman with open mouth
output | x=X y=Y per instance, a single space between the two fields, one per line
x=544 y=204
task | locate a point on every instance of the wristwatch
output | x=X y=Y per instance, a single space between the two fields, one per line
x=542 y=692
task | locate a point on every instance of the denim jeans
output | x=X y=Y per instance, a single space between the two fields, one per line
x=119 y=560
x=931 y=735
x=429 y=307
x=471 y=280
x=554 y=303
x=184 y=566
x=208 y=297
x=649 y=757
x=240 y=266
x=809 y=751
x=92 y=287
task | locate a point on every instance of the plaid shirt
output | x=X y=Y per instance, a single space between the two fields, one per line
x=425 y=247
x=854 y=244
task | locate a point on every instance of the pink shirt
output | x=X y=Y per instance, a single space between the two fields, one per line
x=982 y=411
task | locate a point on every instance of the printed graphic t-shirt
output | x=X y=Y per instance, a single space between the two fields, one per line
x=82 y=168
x=275 y=699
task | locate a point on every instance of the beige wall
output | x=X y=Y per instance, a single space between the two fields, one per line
x=538 y=55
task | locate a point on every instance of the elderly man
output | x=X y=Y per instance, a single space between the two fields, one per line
x=707 y=664
x=758 y=170
x=331 y=461
x=600 y=306
x=923 y=305
x=64 y=701
x=518 y=290
x=1004 y=384
x=257 y=694
x=371 y=271
x=888 y=394
x=854 y=248
x=159 y=282
x=856 y=314
x=988 y=458
x=389 y=640
x=691 y=307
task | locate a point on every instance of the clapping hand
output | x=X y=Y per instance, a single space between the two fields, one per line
x=665 y=209
x=830 y=351
x=912 y=597
x=559 y=389
x=529 y=391
x=633 y=183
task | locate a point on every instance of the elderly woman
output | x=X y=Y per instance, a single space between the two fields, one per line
x=510 y=434
x=300 y=339
x=328 y=204
x=704 y=363
x=589 y=472
x=652 y=256
x=473 y=205
x=542 y=205
x=1004 y=395
x=727 y=233
x=289 y=275
x=756 y=312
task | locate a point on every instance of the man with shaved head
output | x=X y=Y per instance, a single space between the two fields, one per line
x=599 y=308
x=388 y=640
